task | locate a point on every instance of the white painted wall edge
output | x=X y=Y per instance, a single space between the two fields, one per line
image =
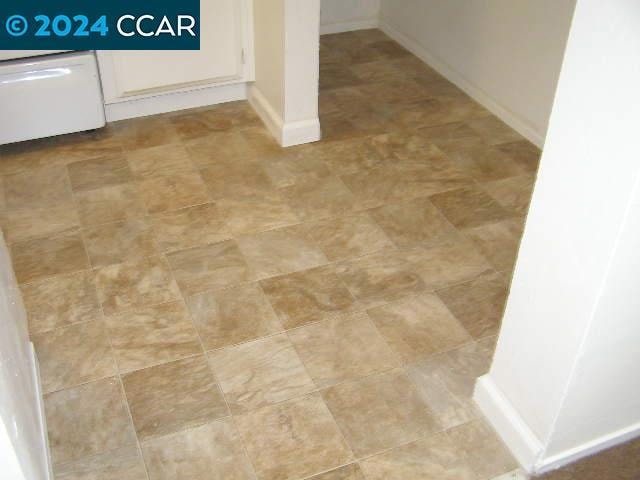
x=506 y=115
x=42 y=419
x=289 y=134
x=339 y=27
x=171 y=102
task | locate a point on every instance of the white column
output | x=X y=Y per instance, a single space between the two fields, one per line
x=285 y=92
x=564 y=381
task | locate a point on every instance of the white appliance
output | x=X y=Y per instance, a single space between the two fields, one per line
x=46 y=95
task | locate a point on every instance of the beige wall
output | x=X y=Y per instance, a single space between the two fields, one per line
x=343 y=15
x=506 y=53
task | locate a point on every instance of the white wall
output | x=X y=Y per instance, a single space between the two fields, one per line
x=23 y=454
x=344 y=15
x=564 y=382
x=504 y=53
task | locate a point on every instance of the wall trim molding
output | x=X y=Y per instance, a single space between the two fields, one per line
x=287 y=134
x=174 y=101
x=350 y=26
x=506 y=115
x=42 y=419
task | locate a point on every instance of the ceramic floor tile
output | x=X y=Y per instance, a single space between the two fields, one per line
x=440 y=111
x=261 y=142
x=190 y=227
x=162 y=160
x=452 y=136
x=293 y=440
x=152 y=335
x=335 y=126
x=308 y=296
x=349 y=472
x=348 y=236
x=134 y=284
x=163 y=193
x=45 y=257
x=524 y=153
x=418 y=326
x=379 y=412
x=42 y=187
x=301 y=165
x=416 y=222
x=23 y=224
x=119 y=241
x=99 y=172
x=483 y=450
x=446 y=381
x=60 y=301
x=279 y=252
x=145 y=132
x=469 y=207
x=226 y=147
x=233 y=177
x=343 y=348
x=486 y=164
x=121 y=464
x=404 y=145
x=211 y=451
x=478 y=304
x=318 y=199
x=73 y=355
x=109 y=204
x=493 y=130
x=513 y=193
x=211 y=267
x=172 y=397
x=233 y=315
x=260 y=373
x=432 y=458
x=218 y=118
x=347 y=156
x=380 y=278
x=498 y=242
x=87 y=420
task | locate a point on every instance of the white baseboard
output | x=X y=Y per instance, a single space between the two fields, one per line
x=287 y=134
x=171 y=102
x=515 y=433
x=42 y=420
x=339 y=27
x=506 y=115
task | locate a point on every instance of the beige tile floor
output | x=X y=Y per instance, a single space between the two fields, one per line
x=207 y=305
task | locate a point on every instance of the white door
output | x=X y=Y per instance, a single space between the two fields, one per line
x=219 y=60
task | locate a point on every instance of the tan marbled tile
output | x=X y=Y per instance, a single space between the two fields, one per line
x=221 y=147
x=217 y=118
x=257 y=212
x=435 y=457
x=308 y=296
x=336 y=77
x=348 y=472
x=478 y=304
x=412 y=223
x=376 y=71
x=121 y=464
x=379 y=412
x=498 y=242
x=190 y=227
x=494 y=130
x=135 y=284
x=348 y=236
x=524 y=153
x=60 y=301
x=345 y=157
x=400 y=91
x=446 y=382
x=448 y=264
x=513 y=193
x=45 y=257
x=404 y=145
x=293 y=440
x=349 y=100
x=260 y=373
x=172 y=397
x=418 y=326
x=335 y=126
x=485 y=164
x=380 y=278
x=152 y=335
x=109 y=204
x=42 y=187
x=452 y=136
x=99 y=172
x=73 y=355
x=211 y=267
x=145 y=132
x=165 y=192
x=22 y=224
x=211 y=451
x=299 y=165
x=376 y=186
x=260 y=140
x=440 y=111
x=233 y=315
x=469 y=207
x=482 y=449
x=235 y=177
x=161 y=160
x=119 y=241
x=322 y=198
x=343 y=348
x=281 y=251
x=87 y=420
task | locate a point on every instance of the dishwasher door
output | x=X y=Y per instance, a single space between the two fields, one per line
x=52 y=95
